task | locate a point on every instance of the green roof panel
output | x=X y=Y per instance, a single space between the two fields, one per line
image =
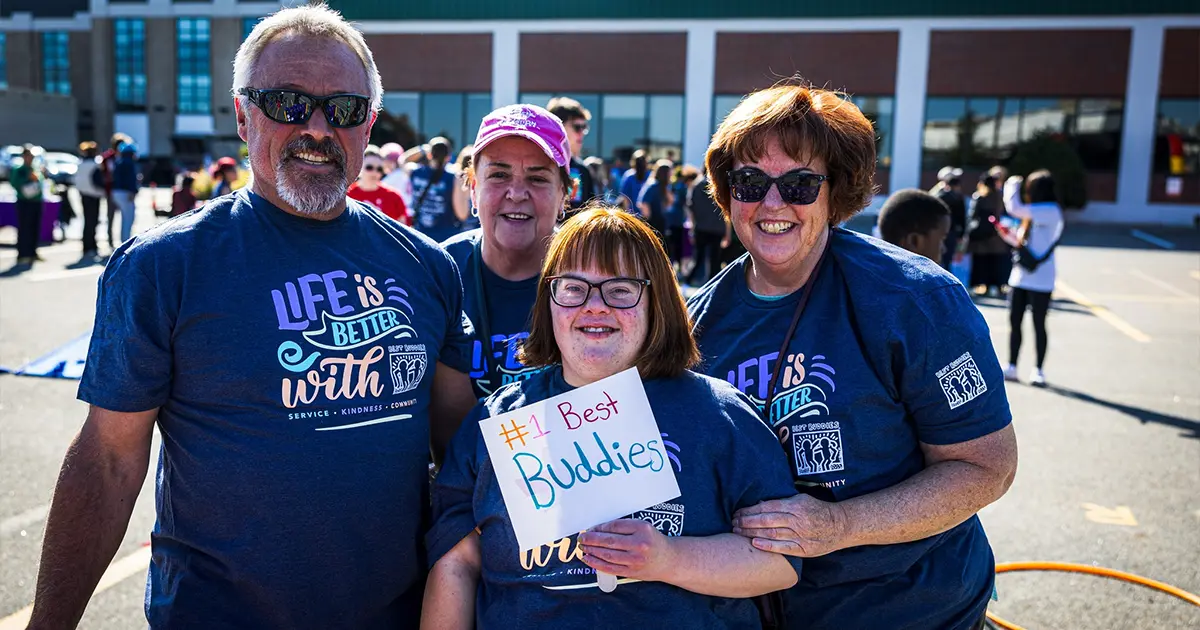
x=725 y=9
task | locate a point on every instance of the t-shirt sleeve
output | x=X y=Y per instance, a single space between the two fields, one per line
x=951 y=384
x=754 y=468
x=129 y=360
x=453 y=489
x=456 y=349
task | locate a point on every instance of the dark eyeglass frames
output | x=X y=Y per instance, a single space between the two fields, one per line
x=289 y=107
x=620 y=293
x=372 y=167
x=798 y=187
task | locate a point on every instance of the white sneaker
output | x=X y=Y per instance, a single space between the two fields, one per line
x=1038 y=378
x=1010 y=373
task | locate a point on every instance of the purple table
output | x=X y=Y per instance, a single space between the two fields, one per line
x=8 y=216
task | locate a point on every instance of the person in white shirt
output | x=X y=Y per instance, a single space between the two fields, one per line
x=90 y=195
x=1034 y=270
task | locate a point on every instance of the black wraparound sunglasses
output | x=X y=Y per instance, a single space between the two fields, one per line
x=798 y=187
x=289 y=107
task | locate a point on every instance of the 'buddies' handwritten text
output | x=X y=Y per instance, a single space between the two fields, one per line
x=542 y=478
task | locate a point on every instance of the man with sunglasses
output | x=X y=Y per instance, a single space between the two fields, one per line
x=297 y=351
x=577 y=120
x=370 y=189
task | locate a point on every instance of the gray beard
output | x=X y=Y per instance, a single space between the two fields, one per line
x=311 y=196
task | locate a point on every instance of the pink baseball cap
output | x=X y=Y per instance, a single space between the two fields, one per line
x=530 y=122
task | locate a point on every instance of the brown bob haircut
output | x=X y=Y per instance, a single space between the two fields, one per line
x=809 y=123
x=615 y=242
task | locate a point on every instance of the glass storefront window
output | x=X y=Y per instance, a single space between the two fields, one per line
x=442 y=115
x=666 y=126
x=3 y=62
x=411 y=118
x=979 y=132
x=878 y=110
x=722 y=105
x=1177 y=138
x=940 y=140
x=623 y=123
x=478 y=106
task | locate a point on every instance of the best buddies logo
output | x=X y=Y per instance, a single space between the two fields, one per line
x=353 y=344
x=799 y=410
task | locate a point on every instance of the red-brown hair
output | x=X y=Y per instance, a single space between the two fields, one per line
x=809 y=123
x=615 y=243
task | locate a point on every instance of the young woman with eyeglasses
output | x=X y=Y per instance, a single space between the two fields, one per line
x=873 y=367
x=370 y=189
x=608 y=302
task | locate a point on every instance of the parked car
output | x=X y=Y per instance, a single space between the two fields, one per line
x=61 y=167
x=10 y=156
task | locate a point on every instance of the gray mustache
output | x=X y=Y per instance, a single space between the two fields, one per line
x=327 y=149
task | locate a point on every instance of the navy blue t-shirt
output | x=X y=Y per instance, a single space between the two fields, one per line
x=890 y=352
x=508 y=306
x=651 y=195
x=675 y=214
x=434 y=216
x=291 y=361
x=724 y=459
x=631 y=187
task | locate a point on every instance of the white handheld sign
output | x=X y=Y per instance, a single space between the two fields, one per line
x=580 y=459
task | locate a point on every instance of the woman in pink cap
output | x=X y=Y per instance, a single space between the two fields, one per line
x=519 y=185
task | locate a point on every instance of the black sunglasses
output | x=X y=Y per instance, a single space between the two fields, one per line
x=798 y=187
x=289 y=107
x=581 y=128
x=372 y=167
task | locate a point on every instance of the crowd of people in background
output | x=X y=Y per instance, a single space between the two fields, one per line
x=975 y=235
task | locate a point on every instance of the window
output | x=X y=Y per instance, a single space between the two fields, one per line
x=3 y=62
x=977 y=133
x=591 y=102
x=623 y=123
x=722 y=105
x=412 y=118
x=878 y=110
x=129 y=36
x=248 y=25
x=1177 y=137
x=194 y=82
x=56 y=63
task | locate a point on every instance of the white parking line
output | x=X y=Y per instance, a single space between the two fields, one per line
x=1152 y=239
x=23 y=520
x=1159 y=283
x=130 y=565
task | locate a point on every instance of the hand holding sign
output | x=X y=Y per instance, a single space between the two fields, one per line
x=580 y=459
x=628 y=547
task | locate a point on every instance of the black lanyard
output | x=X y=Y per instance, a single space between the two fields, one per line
x=483 y=326
x=806 y=292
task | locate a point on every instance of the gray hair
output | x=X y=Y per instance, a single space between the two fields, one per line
x=315 y=20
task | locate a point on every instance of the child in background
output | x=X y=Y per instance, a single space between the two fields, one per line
x=183 y=199
x=917 y=221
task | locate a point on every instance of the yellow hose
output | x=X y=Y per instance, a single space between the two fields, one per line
x=1069 y=567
